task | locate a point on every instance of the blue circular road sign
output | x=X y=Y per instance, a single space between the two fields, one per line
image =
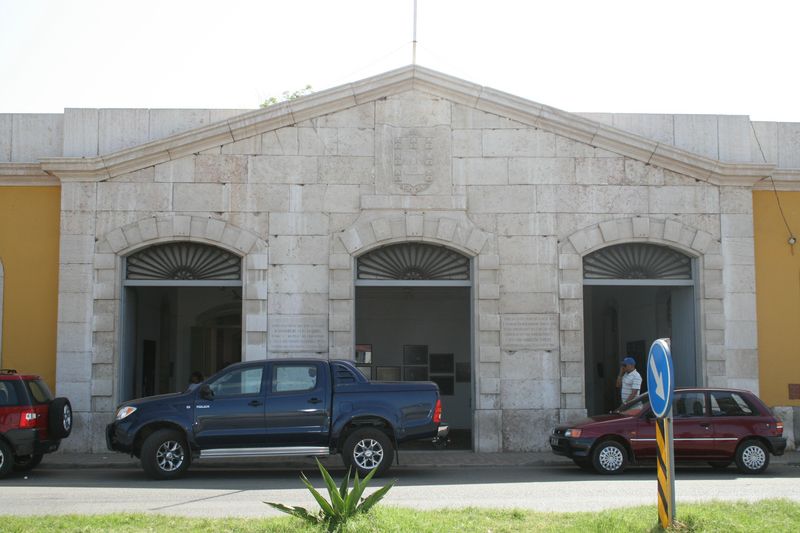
x=660 y=382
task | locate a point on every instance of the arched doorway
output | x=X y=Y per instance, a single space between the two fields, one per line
x=633 y=294
x=413 y=323
x=182 y=313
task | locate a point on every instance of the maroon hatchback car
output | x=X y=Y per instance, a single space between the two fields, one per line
x=715 y=426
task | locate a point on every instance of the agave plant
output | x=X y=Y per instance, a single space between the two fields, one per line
x=344 y=503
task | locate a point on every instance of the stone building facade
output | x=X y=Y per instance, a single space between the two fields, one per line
x=301 y=190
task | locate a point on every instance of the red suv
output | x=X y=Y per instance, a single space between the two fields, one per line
x=716 y=426
x=32 y=423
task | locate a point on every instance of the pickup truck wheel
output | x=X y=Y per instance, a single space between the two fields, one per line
x=165 y=454
x=6 y=459
x=610 y=457
x=24 y=463
x=752 y=457
x=60 y=418
x=367 y=450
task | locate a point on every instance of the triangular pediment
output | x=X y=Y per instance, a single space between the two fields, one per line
x=392 y=83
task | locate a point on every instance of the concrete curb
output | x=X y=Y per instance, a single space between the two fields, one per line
x=408 y=459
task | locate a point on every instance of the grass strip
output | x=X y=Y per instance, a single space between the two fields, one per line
x=724 y=517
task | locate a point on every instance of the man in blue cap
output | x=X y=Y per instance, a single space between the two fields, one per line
x=629 y=380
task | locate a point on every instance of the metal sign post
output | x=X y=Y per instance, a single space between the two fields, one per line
x=660 y=386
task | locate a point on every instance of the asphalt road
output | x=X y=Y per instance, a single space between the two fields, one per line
x=218 y=492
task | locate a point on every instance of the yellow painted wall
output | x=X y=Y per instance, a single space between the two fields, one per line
x=29 y=236
x=777 y=294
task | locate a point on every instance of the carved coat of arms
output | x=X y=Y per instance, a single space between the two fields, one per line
x=413 y=163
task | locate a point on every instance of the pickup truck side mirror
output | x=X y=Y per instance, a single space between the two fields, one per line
x=206 y=393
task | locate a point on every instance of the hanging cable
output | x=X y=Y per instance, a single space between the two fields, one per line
x=792 y=239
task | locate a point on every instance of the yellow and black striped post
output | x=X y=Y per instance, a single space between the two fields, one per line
x=666 y=471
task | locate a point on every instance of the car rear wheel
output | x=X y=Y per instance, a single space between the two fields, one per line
x=6 y=459
x=610 y=457
x=165 y=454
x=366 y=450
x=752 y=457
x=24 y=463
x=60 y=418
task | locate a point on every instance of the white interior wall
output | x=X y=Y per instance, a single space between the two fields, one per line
x=389 y=318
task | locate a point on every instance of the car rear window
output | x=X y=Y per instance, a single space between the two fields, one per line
x=731 y=404
x=39 y=390
x=9 y=393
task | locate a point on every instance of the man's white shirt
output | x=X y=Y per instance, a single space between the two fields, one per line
x=631 y=381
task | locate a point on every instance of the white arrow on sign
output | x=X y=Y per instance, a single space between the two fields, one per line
x=659 y=379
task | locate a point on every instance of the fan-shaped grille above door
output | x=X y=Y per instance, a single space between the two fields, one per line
x=413 y=261
x=183 y=261
x=637 y=261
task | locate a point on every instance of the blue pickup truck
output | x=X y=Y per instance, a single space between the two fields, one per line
x=278 y=407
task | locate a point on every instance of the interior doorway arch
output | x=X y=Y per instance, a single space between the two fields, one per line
x=634 y=293
x=413 y=323
x=182 y=313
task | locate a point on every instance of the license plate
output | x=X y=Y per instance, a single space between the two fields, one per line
x=554 y=440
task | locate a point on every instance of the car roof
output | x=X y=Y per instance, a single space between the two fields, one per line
x=8 y=374
x=292 y=360
x=710 y=389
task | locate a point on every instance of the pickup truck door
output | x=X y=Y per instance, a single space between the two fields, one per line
x=298 y=403
x=234 y=417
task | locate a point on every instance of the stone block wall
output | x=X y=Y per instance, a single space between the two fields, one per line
x=300 y=203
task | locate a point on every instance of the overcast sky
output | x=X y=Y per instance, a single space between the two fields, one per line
x=676 y=56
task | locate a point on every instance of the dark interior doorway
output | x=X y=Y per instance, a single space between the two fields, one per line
x=624 y=321
x=171 y=332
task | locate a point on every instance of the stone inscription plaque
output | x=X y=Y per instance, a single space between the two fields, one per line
x=297 y=333
x=529 y=332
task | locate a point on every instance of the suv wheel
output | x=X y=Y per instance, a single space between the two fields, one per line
x=752 y=457
x=23 y=463
x=60 y=418
x=366 y=450
x=6 y=459
x=610 y=457
x=165 y=454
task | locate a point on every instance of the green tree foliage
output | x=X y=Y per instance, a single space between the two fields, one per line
x=286 y=96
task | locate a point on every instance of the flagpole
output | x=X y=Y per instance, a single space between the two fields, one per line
x=414 y=39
